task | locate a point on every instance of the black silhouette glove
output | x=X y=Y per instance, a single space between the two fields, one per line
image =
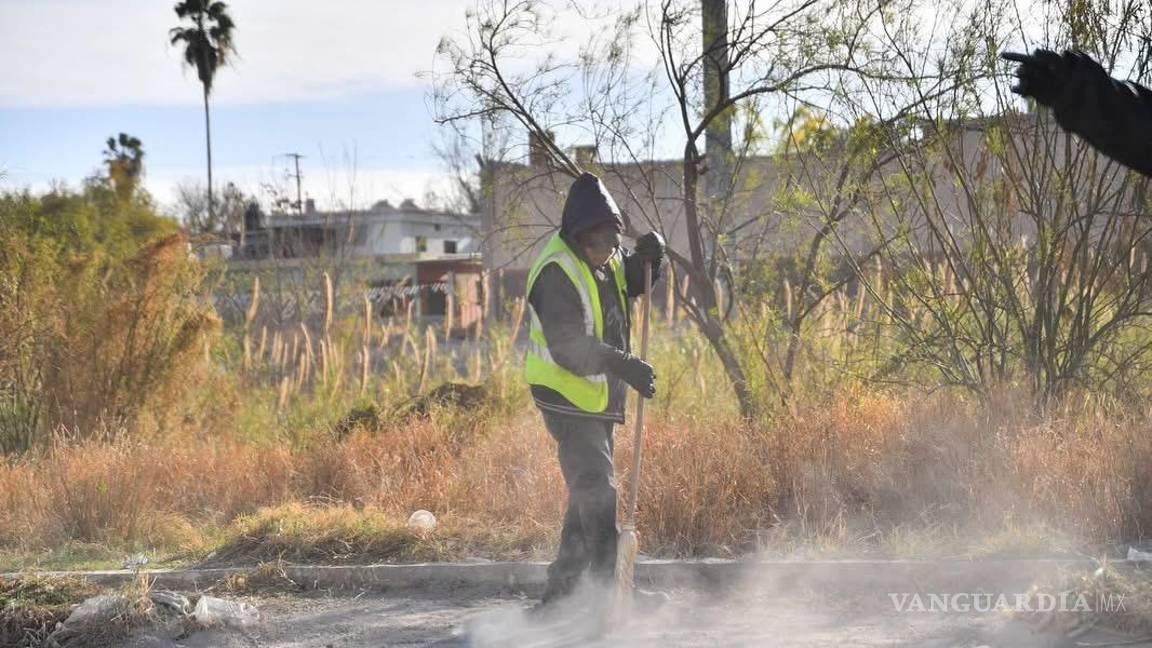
x=1041 y=75
x=1113 y=116
x=1052 y=79
x=638 y=374
x=650 y=247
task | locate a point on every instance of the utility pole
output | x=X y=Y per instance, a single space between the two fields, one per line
x=718 y=134
x=299 y=201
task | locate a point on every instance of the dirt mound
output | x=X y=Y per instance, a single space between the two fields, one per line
x=455 y=395
x=450 y=395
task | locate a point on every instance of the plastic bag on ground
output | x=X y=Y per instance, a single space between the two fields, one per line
x=1135 y=555
x=212 y=611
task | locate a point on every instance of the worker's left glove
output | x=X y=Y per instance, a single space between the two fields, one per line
x=650 y=247
x=638 y=374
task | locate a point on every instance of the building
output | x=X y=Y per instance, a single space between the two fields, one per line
x=404 y=259
x=380 y=230
x=779 y=204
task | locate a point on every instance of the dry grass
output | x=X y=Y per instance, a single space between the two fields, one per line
x=329 y=534
x=1106 y=597
x=864 y=472
x=31 y=606
x=134 y=423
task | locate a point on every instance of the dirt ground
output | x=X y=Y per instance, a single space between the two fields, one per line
x=691 y=619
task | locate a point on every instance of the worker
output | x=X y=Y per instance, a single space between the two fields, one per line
x=1113 y=116
x=579 y=367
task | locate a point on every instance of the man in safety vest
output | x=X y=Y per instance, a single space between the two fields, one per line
x=579 y=368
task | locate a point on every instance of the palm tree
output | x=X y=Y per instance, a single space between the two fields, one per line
x=125 y=159
x=207 y=47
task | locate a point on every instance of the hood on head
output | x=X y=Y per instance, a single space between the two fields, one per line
x=589 y=204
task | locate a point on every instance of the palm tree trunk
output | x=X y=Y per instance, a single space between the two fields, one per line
x=208 y=141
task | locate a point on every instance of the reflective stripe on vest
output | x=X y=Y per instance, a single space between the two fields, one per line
x=589 y=393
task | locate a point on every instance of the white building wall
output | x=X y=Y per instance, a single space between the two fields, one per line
x=435 y=237
x=398 y=234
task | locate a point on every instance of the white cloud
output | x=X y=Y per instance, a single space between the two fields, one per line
x=115 y=52
x=80 y=52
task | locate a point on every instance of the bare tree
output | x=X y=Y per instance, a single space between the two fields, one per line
x=227 y=220
x=1019 y=256
x=506 y=65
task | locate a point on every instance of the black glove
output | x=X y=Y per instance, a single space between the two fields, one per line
x=1052 y=79
x=1041 y=75
x=650 y=247
x=638 y=374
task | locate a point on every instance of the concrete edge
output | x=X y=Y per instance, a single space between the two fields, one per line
x=998 y=575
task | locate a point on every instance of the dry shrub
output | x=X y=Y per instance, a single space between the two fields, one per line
x=1090 y=468
x=851 y=469
x=706 y=485
x=870 y=463
x=125 y=493
x=1127 y=592
x=512 y=474
x=828 y=457
x=162 y=491
x=96 y=341
x=131 y=342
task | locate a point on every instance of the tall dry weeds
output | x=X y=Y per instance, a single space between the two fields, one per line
x=110 y=342
x=850 y=469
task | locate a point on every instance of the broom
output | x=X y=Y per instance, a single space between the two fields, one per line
x=628 y=543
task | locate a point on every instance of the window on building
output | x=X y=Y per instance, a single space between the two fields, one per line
x=449 y=247
x=437 y=227
x=421 y=244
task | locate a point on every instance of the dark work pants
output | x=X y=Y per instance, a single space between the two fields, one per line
x=588 y=538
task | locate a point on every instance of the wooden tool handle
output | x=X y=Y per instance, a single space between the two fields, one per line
x=638 y=437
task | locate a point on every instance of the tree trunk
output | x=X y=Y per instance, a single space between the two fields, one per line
x=718 y=133
x=800 y=304
x=714 y=331
x=706 y=315
x=208 y=142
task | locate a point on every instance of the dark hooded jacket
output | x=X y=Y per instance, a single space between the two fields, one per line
x=561 y=314
x=1113 y=116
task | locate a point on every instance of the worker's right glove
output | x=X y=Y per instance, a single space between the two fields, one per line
x=638 y=374
x=650 y=247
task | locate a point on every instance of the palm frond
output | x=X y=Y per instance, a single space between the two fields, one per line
x=216 y=10
x=208 y=43
x=177 y=34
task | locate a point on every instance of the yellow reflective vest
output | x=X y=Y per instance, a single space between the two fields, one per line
x=589 y=393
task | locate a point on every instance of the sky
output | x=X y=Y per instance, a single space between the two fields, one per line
x=335 y=81
x=338 y=82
